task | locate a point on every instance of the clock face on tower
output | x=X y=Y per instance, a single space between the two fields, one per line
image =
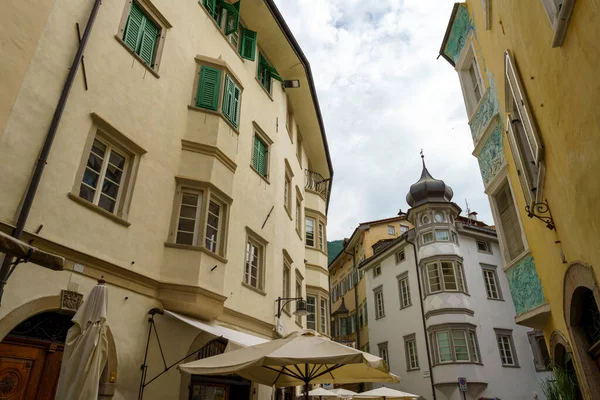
x=439 y=217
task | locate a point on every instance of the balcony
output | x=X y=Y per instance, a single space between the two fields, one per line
x=314 y=182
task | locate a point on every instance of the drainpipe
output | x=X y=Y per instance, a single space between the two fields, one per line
x=423 y=315
x=36 y=177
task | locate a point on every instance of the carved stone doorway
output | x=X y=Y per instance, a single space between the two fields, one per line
x=30 y=357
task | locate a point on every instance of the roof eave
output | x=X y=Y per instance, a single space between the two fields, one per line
x=447 y=34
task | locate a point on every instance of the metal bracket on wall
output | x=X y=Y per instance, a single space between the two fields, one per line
x=542 y=212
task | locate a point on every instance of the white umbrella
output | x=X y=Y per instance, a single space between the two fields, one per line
x=320 y=392
x=385 y=394
x=86 y=349
x=300 y=358
x=344 y=392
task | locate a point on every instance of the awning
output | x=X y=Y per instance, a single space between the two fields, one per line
x=239 y=338
x=23 y=251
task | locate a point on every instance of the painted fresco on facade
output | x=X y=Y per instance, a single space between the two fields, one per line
x=458 y=35
x=488 y=107
x=491 y=156
x=525 y=285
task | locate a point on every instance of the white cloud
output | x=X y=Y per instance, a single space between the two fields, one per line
x=384 y=96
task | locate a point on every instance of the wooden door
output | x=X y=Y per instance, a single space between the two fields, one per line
x=29 y=369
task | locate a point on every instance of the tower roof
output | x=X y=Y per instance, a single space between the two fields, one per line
x=428 y=189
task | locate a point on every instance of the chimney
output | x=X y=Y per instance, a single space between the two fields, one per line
x=472 y=216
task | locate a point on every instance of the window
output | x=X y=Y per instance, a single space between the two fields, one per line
x=287 y=194
x=312 y=312
x=323 y=314
x=142 y=31
x=209 y=90
x=287 y=272
x=299 y=146
x=509 y=223
x=299 y=294
x=266 y=73
x=391 y=230
x=253 y=261
x=442 y=235
x=377 y=271
x=427 y=237
x=506 y=346
x=446 y=276
x=454 y=237
x=425 y=219
x=309 y=232
x=405 y=300
x=321 y=236
x=400 y=257
x=379 y=307
x=410 y=349
x=470 y=78
x=455 y=344
x=490 y=279
x=483 y=247
x=383 y=353
x=403 y=228
x=541 y=357
x=525 y=142
x=102 y=183
x=365 y=313
x=200 y=216
x=260 y=155
x=289 y=119
x=559 y=13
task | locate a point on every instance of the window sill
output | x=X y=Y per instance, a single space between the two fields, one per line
x=98 y=209
x=201 y=249
x=290 y=134
x=221 y=31
x=263 y=88
x=491 y=298
x=516 y=260
x=264 y=178
x=405 y=307
x=376 y=318
x=511 y=366
x=137 y=57
x=457 y=363
x=254 y=289
x=288 y=212
x=206 y=110
x=413 y=369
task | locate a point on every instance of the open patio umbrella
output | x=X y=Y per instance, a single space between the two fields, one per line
x=320 y=393
x=344 y=392
x=86 y=349
x=300 y=358
x=386 y=394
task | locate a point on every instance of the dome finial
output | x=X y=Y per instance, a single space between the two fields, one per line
x=423 y=159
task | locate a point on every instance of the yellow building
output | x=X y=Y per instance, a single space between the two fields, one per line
x=184 y=170
x=348 y=291
x=529 y=75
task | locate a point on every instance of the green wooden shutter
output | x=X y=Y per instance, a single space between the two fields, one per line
x=148 y=42
x=208 y=88
x=260 y=156
x=211 y=6
x=248 y=49
x=272 y=72
x=232 y=22
x=133 y=29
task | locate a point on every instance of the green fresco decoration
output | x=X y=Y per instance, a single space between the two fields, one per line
x=525 y=285
x=491 y=156
x=458 y=34
x=487 y=109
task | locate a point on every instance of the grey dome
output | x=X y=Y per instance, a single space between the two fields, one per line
x=428 y=189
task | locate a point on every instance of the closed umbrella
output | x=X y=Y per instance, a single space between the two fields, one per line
x=386 y=394
x=300 y=358
x=322 y=393
x=86 y=349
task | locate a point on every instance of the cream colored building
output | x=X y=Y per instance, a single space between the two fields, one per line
x=183 y=172
x=347 y=286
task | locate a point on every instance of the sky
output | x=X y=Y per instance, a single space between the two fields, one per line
x=384 y=96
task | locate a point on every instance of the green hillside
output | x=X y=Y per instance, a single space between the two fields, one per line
x=333 y=249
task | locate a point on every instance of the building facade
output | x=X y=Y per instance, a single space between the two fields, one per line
x=528 y=75
x=440 y=309
x=184 y=171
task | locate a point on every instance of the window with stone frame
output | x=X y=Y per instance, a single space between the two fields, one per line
x=444 y=276
x=410 y=350
x=404 y=289
x=510 y=226
x=383 y=353
x=491 y=282
x=299 y=281
x=379 y=303
x=506 y=347
x=541 y=356
x=454 y=343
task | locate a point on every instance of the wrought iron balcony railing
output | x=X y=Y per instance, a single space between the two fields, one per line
x=315 y=182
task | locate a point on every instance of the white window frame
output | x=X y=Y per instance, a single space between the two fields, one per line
x=412 y=355
x=437 y=238
x=379 y=303
x=524 y=139
x=384 y=353
x=321 y=232
x=391 y=230
x=323 y=315
x=404 y=290
x=468 y=58
x=197 y=217
x=377 y=270
x=559 y=16
x=314 y=314
x=298 y=287
x=488 y=246
x=314 y=231
x=470 y=339
x=286 y=282
x=423 y=242
x=404 y=228
x=506 y=345
x=253 y=239
x=457 y=275
x=491 y=282
x=400 y=256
